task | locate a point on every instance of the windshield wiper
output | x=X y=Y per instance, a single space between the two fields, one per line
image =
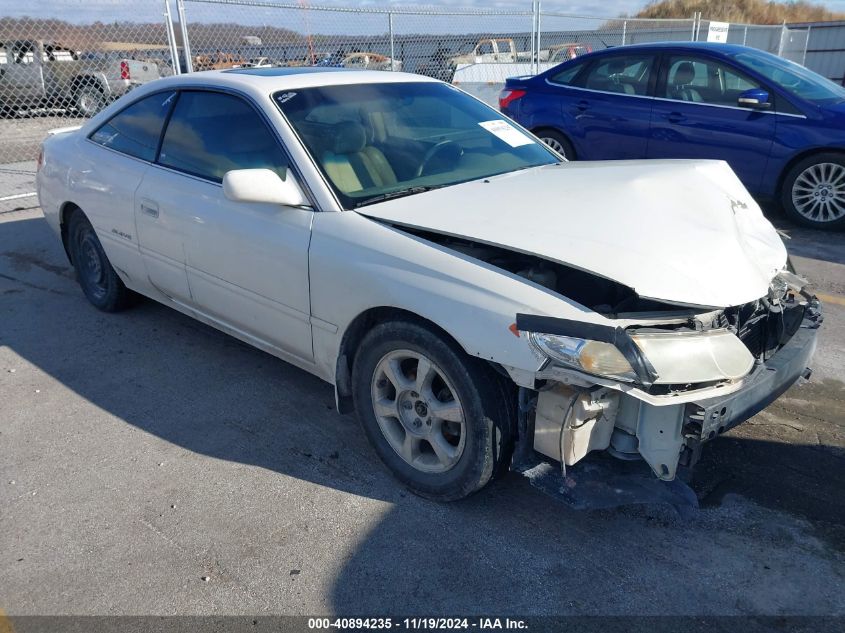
x=390 y=195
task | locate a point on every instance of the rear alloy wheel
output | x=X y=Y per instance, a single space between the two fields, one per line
x=88 y=100
x=814 y=192
x=100 y=283
x=558 y=143
x=438 y=419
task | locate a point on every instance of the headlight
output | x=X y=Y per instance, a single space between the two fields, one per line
x=593 y=357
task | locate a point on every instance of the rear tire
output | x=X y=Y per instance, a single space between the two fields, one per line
x=88 y=100
x=100 y=283
x=444 y=433
x=813 y=192
x=557 y=142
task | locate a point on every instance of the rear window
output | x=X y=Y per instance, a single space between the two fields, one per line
x=135 y=130
x=567 y=75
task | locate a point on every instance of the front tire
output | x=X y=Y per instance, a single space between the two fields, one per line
x=440 y=420
x=813 y=192
x=100 y=283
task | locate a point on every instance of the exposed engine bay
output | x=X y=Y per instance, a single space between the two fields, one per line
x=602 y=295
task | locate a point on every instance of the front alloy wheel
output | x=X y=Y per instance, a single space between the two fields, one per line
x=814 y=192
x=417 y=411
x=440 y=420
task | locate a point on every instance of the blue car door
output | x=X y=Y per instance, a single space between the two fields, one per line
x=696 y=115
x=606 y=109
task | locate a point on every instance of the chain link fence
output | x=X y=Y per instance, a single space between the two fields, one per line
x=76 y=56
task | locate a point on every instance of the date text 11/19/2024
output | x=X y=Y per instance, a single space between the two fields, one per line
x=417 y=623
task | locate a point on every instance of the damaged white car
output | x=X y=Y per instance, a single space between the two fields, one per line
x=479 y=302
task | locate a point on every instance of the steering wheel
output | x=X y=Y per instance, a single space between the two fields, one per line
x=433 y=151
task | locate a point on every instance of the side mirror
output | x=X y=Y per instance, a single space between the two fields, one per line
x=263 y=185
x=756 y=99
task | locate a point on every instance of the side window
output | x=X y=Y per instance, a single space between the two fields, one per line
x=625 y=74
x=701 y=80
x=211 y=133
x=567 y=75
x=23 y=52
x=485 y=48
x=135 y=130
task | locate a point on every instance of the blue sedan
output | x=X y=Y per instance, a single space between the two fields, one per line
x=780 y=126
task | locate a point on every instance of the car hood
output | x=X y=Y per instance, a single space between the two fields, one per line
x=680 y=231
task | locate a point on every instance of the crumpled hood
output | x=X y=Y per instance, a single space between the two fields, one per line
x=681 y=231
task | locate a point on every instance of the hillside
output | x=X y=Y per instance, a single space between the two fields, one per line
x=745 y=11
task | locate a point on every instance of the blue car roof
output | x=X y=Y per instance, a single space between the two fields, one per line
x=715 y=47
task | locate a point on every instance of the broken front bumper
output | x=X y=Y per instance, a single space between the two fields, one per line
x=711 y=416
x=669 y=430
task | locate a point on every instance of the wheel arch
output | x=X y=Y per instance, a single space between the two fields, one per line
x=803 y=155
x=354 y=335
x=537 y=131
x=65 y=211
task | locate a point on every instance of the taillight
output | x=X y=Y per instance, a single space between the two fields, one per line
x=124 y=70
x=39 y=162
x=509 y=95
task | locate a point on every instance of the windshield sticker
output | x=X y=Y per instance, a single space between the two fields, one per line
x=506 y=132
x=285 y=97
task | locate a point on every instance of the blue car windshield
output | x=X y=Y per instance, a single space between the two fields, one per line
x=795 y=79
x=376 y=141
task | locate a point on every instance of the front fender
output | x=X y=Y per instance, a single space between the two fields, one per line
x=357 y=264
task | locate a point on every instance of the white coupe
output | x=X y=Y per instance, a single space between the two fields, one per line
x=464 y=288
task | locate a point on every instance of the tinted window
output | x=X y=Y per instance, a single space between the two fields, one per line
x=567 y=75
x=703 y=80
x=136 y=130
x=211 y=133
x=793 y=78
x=625 y=74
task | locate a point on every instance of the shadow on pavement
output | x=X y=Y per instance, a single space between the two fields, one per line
x=506 y=550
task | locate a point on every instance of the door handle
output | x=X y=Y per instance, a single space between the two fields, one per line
x=149 y=208
x=582 y=105
x=675 y=117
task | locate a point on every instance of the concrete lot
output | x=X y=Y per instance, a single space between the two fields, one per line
x=142 y=452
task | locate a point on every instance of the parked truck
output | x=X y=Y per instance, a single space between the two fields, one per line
x=492 y=50
x=38 y=74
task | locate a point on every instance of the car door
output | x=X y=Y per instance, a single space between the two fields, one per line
x=606 y=111
x=696 y=115
x=108 y=170
x=244 y=265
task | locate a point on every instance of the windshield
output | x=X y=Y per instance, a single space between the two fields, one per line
x=378 y=141
x=793 y=78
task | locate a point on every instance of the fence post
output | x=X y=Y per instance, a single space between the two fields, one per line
x=392 y=44
x=535 y=67
x=782 y=35
x=171 y=39
x=183 y=26
x=538 y=36
x=745 y=35
x=624 y=30
x=692 y=35
x=806 y=46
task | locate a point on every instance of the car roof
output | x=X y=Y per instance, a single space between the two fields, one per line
x=268 y=80
x=716 y=47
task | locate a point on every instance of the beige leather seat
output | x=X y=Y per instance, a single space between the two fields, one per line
x=352 y=164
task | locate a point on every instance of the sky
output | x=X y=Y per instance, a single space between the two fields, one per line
x=151 y=10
